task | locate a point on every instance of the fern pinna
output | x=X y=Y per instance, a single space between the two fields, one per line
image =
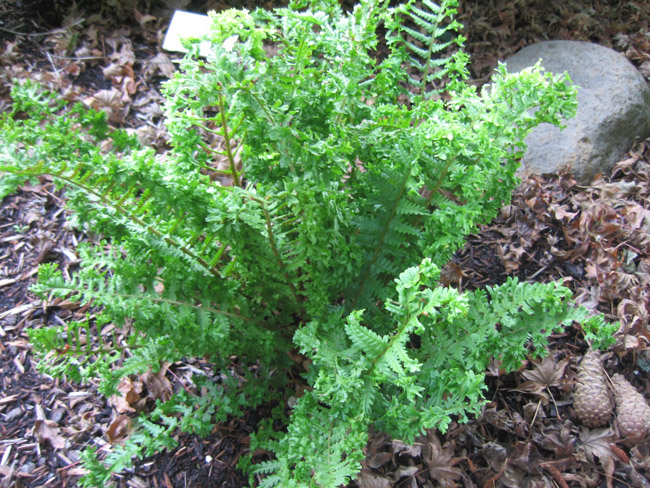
x=309 y=197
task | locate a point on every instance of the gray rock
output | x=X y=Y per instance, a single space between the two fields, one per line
x=613 y=109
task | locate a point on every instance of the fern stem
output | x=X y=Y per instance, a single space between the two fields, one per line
x=427 y=203
x=296 y=77
x=443 y=175
x=380 y=241
x=389 y=346
x=441 y=14
x=272 y=121
x=397 y=336
x=101 y=351
x=263 y=106
x=178 y=303
x=226 y=136
x=129 y=215
x=427 y=68
x=276 y=253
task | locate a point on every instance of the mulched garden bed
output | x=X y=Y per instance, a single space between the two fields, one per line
x=594 y=238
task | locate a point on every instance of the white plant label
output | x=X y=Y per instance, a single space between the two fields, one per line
x=186 y=25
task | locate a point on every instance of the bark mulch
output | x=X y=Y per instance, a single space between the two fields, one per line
x=595 y=238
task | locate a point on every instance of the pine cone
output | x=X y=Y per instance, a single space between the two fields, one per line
x=632 y=411
x=592 y=401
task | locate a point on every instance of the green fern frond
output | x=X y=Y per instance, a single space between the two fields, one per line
x=436 y=31
x=331 y=447
x=343 y=194
x=365 y=339
x=383 y=245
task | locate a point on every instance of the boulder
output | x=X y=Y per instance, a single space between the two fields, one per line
x=613 y=109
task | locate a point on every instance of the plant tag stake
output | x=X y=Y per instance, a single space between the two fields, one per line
x=186 y=25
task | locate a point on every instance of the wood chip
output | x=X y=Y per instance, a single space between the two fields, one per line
x=19 y=365
x=5 y=456
x=20 y=309
x=6 y=282
x=8 y=399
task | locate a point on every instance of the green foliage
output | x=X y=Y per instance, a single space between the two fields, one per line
x=311 y=194
x=434 y=30
x=152 y=434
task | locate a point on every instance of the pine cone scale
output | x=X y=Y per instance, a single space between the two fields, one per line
x=632 y=410
x=592 y=400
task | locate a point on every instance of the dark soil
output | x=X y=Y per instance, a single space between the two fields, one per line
x=554 y=229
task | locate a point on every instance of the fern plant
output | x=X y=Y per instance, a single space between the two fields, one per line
x=310 y=197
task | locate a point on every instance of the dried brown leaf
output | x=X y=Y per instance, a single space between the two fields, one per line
x=160 y=64
x=399 y=448
x=440 y=461
x=125 y=56
x=525 y=457
x=368 y=479
x=112 y=70
x=513 y=477
x=158 y=386
x=561 y=442
x=46 y=430
x=129 y=399
x=378 y=441
x=111 y=102
x=379 y=459
x=495 y=455
x=143 y=19
x=545 y=374
x=451 y=274
x=119 y=429
x=596 y=443
x=614 y=191
x=405 y=472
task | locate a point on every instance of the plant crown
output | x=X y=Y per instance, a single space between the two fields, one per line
x=312 y=192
